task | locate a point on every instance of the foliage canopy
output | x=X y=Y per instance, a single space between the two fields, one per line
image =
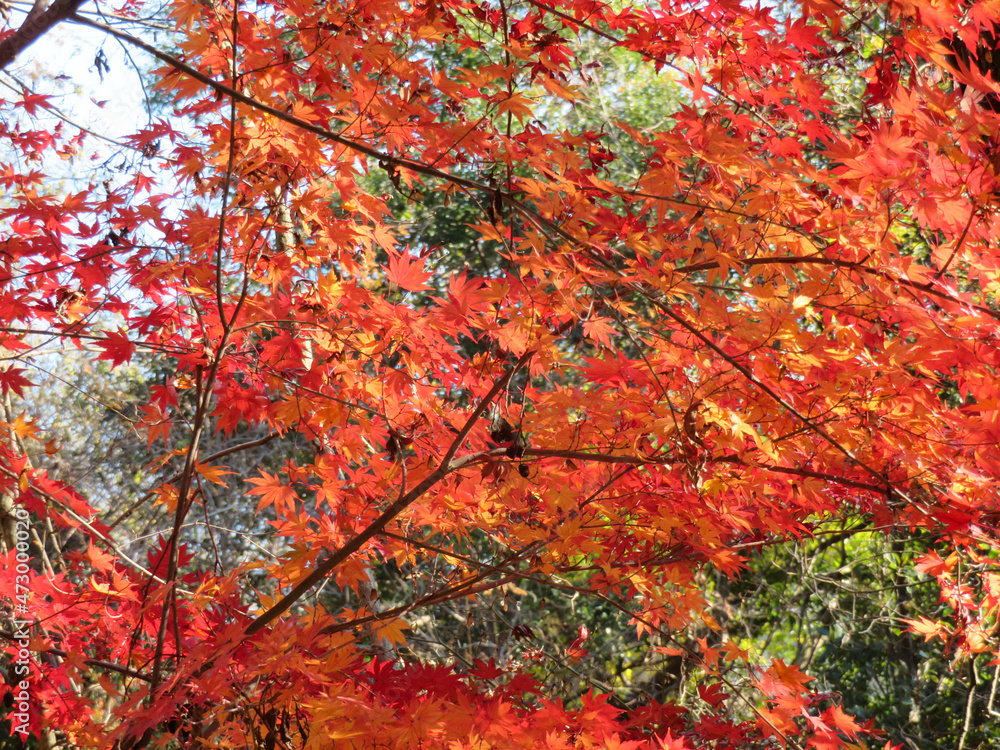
x=467 y=341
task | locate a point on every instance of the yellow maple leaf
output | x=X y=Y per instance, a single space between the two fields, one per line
x=23 y=428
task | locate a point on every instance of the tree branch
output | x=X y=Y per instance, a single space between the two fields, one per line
x=98 y=663
x=40 y=21
x=448 y=464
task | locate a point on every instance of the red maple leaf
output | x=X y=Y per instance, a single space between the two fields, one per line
x=31 y=102
x=117 y=348
x=12 y=380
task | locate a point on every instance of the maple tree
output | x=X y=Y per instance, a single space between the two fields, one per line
x=775 y=322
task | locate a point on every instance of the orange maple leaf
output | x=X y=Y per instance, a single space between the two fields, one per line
x=787 y=676
x=929 y=629
x=844 y=722
x=272 y=492
x=407 y=272
x=392 y=631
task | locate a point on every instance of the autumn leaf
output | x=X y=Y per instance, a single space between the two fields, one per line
x=272 y=492
x=391 y=631
x=517 y=105
x=669 y=742
x=157 y=423
x=118 y=586
x=575 y=651
x=214 y=474
x=836 y=717
x=600 y=330
x=783 y=678
x=928 y=628
x=407 y=272
x=713 y=694
x=32 y=102
x=101 y=561
x=23 y=428
x=116 y=347
x=12 y=381
x=932 y=564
